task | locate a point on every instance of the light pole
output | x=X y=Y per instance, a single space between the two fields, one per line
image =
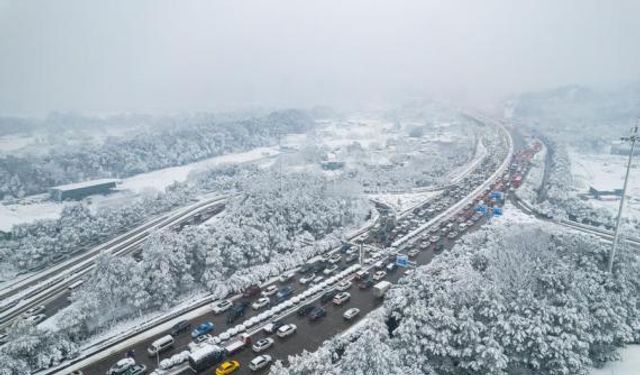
x=632 y=138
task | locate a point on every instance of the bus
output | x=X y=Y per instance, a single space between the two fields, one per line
x=205 y=357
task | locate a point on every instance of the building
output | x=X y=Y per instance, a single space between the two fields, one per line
x=82 y=189
x=603 y=193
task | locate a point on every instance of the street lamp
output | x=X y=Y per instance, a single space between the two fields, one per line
x=632 y=138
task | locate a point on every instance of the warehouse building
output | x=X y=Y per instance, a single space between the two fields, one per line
x=82 y=189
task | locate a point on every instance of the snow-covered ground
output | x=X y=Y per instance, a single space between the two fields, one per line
x=162 y=178
x=606 y=171
x=40 y=207
x=402 y=202
x=629 y=364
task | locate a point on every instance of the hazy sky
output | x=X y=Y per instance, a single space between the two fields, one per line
x=167 y=56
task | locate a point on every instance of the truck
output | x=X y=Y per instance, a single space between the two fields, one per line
x=381 y=288
x=234 y=347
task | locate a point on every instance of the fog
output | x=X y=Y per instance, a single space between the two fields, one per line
x=167 y=56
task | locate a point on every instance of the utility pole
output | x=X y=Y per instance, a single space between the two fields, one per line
x=632 y=138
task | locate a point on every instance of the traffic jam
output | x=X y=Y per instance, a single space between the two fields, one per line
x=320 y=299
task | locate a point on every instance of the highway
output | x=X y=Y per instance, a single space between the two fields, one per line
x=51 y=287
x=413 y=226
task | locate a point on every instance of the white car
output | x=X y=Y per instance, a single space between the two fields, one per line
x=34 y=311
x=269 y=291
x=221 y=306
x=335 y=258
x=367 y=261
x=262 y=345
x=286 y=277
x=351 y=313
x=317 y=280
x=413 y=252
x=408 y=272
x=305 y=279
x=343 y=285
x=329 y=270
x=35 y=319
x=202 y=338
x=121 y=366
x=286 y=330
x=379 y=275
x=341 y=298
x=260 y=303
x=260 y=362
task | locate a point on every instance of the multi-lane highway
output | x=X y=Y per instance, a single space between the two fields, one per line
x=415 y=228
x=51 y=287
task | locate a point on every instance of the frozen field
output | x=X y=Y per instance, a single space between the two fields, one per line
x=606 y=171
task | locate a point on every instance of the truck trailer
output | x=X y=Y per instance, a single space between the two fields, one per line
x=381 y=288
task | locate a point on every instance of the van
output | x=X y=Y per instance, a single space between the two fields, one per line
x=160 y=345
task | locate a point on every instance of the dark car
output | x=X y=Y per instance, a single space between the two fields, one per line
x=319 y=266
x=328 y=296
x=305 y=268
x=439 y=247
x=317 y=313
x=284 y=293
x=236 y=312
x=305 y=310
x=251 y=291
x=365 y=284
x=180 y=327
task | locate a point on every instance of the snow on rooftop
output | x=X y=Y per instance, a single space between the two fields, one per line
x=84 y=184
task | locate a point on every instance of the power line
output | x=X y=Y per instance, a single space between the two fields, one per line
x=632 y=138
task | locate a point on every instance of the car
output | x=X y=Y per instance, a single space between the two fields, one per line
x=307 y=278
x=328 y=296
x=34 y=311
x=202 y=329
x=260 y=303
x=305 y=268
x=331 y=269
x=319 y=266
x=376 y=256
x=379 y=275
x=262 y=345
x=452 y=235
x=413 y=253
x=341 y=298
x=251 y=291
x=3 y=338
x=351 y=313
x=273 y=326
x=343 y=285
x=408 y=272
x=350 y=258
x=121 y=366
x=391 y=267
x=237 y=312
x=202 y=338
x=317 y=280
x=335 y=258
x=227 y=367
x=269 y=291
x=367 y=260
x=260 y=362
x=180 y=328
x=284 y=293
x=35 y=319
x=434 y=239
x=305 y=310
x=362 y=275
x=317 y=313
x=221 y=306
x=365 y=284
x=138 y=369
x=286 y=330
x=286 y=277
